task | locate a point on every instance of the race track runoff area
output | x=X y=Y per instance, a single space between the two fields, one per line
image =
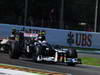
x=17 y=70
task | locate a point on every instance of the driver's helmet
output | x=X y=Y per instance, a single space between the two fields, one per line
x=12 y=36
x=42 y=32
x=39 y=38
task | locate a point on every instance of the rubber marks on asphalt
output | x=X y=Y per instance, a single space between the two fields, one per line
x=16 y=70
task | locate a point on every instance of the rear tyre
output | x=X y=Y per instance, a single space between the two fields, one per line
x=36 y=53
x=14 y=52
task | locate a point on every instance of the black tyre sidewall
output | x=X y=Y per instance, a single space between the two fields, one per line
x=14 y=52
x=36 y=53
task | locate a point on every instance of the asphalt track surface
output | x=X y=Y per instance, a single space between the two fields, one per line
x=63 y=68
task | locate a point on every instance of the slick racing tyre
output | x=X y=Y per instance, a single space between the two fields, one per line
x=14 y=52
x=36 y=53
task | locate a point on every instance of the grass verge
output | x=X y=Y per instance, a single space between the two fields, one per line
x=86 y=49
x=91 y=61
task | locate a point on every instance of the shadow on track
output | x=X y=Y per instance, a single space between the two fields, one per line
x=45 y=62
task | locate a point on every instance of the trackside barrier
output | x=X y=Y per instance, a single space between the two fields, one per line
x=72 y=38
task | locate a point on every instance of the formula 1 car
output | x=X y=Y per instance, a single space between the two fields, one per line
x=39 y=51
x=42 y=51
x=45 y=52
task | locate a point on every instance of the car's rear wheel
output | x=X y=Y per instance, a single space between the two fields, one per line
x=14 y=51
x=36 y=53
